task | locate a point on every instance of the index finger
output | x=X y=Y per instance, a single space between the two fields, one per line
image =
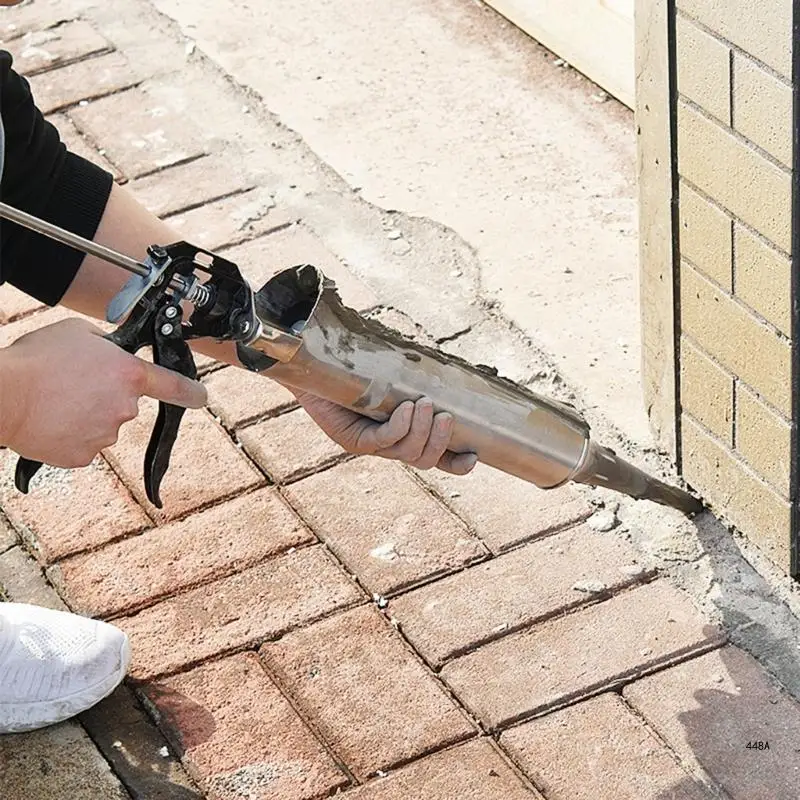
x=172 y=387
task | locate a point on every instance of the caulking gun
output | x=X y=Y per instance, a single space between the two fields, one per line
x=297 y=330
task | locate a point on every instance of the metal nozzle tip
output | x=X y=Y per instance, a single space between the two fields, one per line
x=603 y=467
x=672 y=496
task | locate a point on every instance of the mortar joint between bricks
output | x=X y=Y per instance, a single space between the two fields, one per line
x=548 y=533
x=710 y=356
x=329 y=552
x=703 y=776
x=94 y=548
x=564 y=611
x=152 y=513
x=635 y=582
x=68 y=62
x=713 y=201
x=758 y=317
x=158 y=170
x=91 y=141
x=731 y=90
x=410 y=586
x=251 y=646
x=440 y=498
x=308 y=721
x=100 y=95
x=526 y=780
x=733 y=47
x=517 y=767
x=191 y=206
x=734 y=134
x=613 y=685
x=435 y=676
x=234 y=569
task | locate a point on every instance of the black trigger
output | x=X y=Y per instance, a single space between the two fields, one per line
x=171 y=352
x=159 y=450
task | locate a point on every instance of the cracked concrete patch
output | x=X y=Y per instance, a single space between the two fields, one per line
x=525 y=167
x=759 y=608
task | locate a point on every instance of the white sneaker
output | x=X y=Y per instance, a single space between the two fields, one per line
x=53 y=665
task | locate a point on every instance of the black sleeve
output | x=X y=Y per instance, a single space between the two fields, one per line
x=41 y=177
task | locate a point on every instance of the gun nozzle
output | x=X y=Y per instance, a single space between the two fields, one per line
x=603 y=467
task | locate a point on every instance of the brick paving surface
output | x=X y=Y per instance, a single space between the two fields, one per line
x=305 y=623
x=599 y=743
x=709 y=709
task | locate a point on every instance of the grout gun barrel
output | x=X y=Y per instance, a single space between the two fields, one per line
x=296 y=329
x=361 y=364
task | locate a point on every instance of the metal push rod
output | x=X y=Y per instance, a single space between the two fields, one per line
x=83 y=245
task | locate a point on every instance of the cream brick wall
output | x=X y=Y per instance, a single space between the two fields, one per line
x=737 y=492
x=762 y=108
x=704 y=69
x=706 y=236
x=763 y=278
x=762 y=438
x=761 y=28
x=749 y=349
x=734 y=156
x=707 y=391
x=728 y=169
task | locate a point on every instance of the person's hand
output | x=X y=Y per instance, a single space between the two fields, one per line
x=65 y=391
x=413 y=433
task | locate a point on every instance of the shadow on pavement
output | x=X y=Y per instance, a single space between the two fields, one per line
x=137 y=750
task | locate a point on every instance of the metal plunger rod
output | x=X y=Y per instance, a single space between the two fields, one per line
x=79 y=243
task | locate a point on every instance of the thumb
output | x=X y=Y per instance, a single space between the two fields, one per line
x=172 y=387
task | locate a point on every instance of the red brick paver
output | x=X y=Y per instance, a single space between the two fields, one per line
x=188 y=185
x=41 y=50
x=32 y=17
x=232 y=220
x=374 y=703
x=156 y=136
x=290 y=446
x=628 y=635
x=709 y=709
x=239 y=736
x=384 y=527
x=206 y=466
x=15 y=304
x=237 y=396
x=15 y=330
x=67 y=511
x=77 y=144
x=492 y=599
x=224 y=539
x=470 y=771
x=599 y=749
x=236 y=612
x=92 y=78
x=505 y=510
